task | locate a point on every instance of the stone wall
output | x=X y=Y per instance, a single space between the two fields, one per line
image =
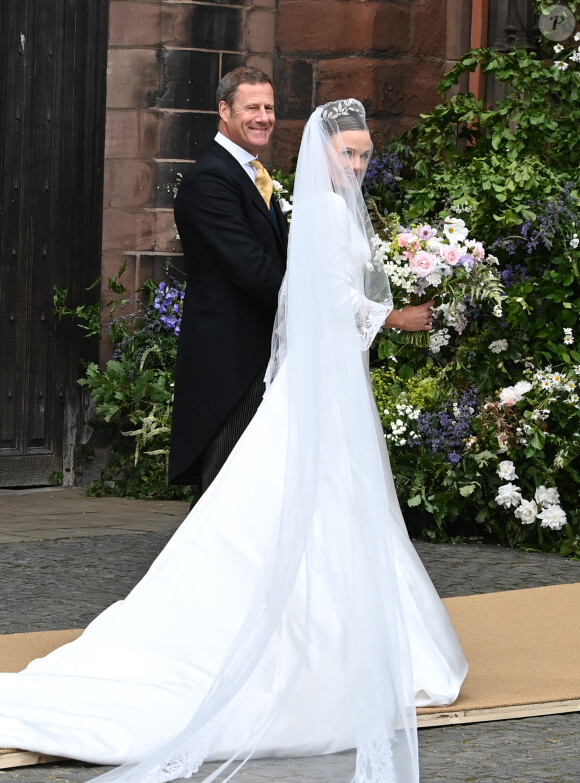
x=389 y=55
x=167 y=56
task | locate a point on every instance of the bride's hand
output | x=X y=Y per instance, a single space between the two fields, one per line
x=413 y=318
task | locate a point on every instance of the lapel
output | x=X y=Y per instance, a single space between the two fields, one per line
x=252 y=193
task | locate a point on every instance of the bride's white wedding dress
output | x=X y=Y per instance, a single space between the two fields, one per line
x=288 y=615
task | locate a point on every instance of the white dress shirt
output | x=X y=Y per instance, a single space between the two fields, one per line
x=243 y=157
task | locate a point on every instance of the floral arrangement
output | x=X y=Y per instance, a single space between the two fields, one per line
x=423 y=264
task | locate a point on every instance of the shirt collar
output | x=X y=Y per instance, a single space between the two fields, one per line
x=240 y=154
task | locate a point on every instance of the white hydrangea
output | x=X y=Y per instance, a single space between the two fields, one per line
x=439 y=339
x=508 y=495
x=526 y=512
x=434 y=278
x=498 y=346
x=553 y=517
x=546 y=496
x=506 y=470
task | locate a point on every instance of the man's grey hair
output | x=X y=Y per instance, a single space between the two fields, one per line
x=228 y=86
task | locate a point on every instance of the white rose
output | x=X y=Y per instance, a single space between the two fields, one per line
x=506 y=470
x=512 y=394
x=508 y=495
x=526 y=512
x=546 y=496
x=553 y=517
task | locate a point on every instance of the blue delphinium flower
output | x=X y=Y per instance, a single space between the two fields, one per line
x=168 y=303
x=447 y=429
x=383 y=170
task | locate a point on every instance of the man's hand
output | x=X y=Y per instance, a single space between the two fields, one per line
x=413 y=318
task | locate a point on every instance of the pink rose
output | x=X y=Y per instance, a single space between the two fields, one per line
x=451 y=254
x=407 y=240
x=478 y=251
x=423 y=263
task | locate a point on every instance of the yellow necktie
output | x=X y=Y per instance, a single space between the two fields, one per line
x=263 y=182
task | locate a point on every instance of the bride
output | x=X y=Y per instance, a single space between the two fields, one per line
x=289 y=615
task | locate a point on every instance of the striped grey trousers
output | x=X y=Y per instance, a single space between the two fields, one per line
x=218 y=449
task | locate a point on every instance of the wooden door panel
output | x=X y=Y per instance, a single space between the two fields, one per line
x=52 y=122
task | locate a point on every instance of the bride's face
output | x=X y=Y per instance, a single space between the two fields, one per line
x=354 y=150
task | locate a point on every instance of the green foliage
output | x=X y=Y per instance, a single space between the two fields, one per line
x=134 y=391
x=492 y=162
x=512 y=172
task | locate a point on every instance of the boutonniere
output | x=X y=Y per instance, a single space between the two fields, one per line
x=278 y=192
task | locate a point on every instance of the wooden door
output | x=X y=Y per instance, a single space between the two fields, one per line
x=52 y=120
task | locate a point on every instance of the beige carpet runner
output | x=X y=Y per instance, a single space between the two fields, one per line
x=522 y=647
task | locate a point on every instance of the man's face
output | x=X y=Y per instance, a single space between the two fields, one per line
x=250 y=122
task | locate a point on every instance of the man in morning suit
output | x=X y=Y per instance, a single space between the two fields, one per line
x=235 y=252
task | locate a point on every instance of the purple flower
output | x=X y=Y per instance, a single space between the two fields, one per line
x=447 y=429
x=425 y=233
x=168 y=304
x=383 y=171
x=467 y=260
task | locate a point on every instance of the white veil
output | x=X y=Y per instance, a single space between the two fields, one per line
x=332 y=303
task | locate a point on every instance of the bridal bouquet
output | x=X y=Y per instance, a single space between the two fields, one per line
x=423 y=264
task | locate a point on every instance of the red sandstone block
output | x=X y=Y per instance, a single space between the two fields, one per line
x=392 y=27
x=337 y=26
x=260 y=30
x=429 y=29
x=286 y=144
x=408 y=86
x=124 y=230
x=262 y=62
x=405 y=86
x=121 y=136
x=148 y=134
x=134 y=23
x=348 y=77
x=166 y=232
x=130 y=183
x=133 y=78
x=176 y=24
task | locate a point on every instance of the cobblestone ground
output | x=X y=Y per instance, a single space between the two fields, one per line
x=65 y=583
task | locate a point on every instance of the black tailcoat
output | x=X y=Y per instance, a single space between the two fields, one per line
x=235 y=254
